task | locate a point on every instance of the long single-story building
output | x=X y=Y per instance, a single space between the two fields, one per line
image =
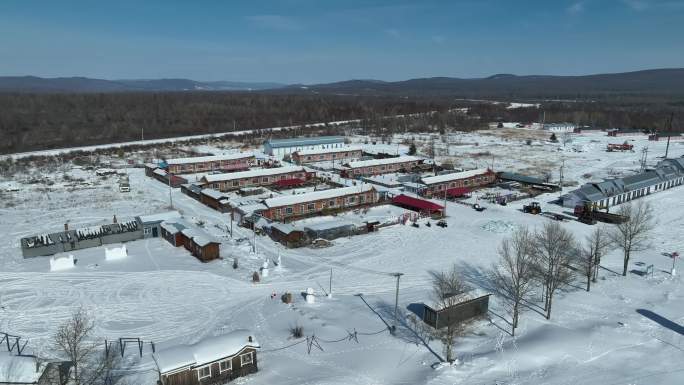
x=335 y=154
x=81 y=238
x=228 y=162
x=667 y=174
x=214 y=360
x=450 y=184
x=255 y=178
x=279 y=148
x=379 y=166
x=300 y=205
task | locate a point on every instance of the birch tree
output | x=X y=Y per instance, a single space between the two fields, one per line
x=633 y=234
x=515 y=272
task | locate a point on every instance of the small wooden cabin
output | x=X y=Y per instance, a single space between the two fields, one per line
x=456 y=308
x=212 y=361
x=200 y=244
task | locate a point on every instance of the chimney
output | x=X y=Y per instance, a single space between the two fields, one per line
x=114 y=218
x=66 y=227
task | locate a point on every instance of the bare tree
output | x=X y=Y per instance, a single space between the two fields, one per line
x=632 y=235
x=447 y=288
x=75 y=341
x=515 y=272
x=553 y=250
x=566 y=138
x=589 y=255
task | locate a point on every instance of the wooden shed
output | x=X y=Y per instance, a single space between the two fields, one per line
x=215 y=360
x=287 y=234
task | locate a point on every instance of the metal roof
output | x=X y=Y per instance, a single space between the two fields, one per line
x=520 y=178
x=294 y=142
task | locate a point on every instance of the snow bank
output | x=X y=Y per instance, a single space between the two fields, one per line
x=116 y=253
x=61 y=262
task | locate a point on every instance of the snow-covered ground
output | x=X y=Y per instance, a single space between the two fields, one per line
x=627 y=330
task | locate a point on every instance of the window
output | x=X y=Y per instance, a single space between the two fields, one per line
x=147 y=231
x=225 y=366
x=236 y=183
x=288 y=210
x=351 y=200
x=361 y=198
x=331 y=203
x=311 y=207
x=264 y=179
x=246 y=359
x=204 y=372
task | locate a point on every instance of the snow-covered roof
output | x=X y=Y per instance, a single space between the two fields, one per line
x=19 y=369
x=288 y=200
x=212 y=158
x=328 y=150
x=455 y=299
x=329 y=225
x=453 y=176
x=159 y=217
x=380 y=162
x=284 y=228
x=312 y=141
x=213 y=193
x=160 y=172
x=208 y=350
x=252 y=208
x=252 y=173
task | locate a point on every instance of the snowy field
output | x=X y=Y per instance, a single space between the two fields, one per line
x=162 y=294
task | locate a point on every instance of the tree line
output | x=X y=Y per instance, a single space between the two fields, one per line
x=44 y=121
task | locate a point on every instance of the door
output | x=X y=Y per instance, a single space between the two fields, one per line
x=155 y=232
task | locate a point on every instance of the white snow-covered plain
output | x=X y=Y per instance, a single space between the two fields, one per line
x=627 y=330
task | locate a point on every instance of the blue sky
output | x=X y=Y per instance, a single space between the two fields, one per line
x=309 y=41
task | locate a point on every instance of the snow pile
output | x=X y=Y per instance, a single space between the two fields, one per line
x=116 y=253
x=61 y=262
x=498 y=227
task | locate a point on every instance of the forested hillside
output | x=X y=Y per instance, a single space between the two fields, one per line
x=43 y=121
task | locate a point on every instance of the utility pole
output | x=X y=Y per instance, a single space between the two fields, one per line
x=254 y=239
x=330 y=284
x=396 y=295
x=669 y=131
x=168 y=175
x=561 y=176
x=142 y=133
x=231 y=223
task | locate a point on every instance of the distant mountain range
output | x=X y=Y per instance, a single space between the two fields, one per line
x=664 y=82
x=89 y=85
x=656 y=82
